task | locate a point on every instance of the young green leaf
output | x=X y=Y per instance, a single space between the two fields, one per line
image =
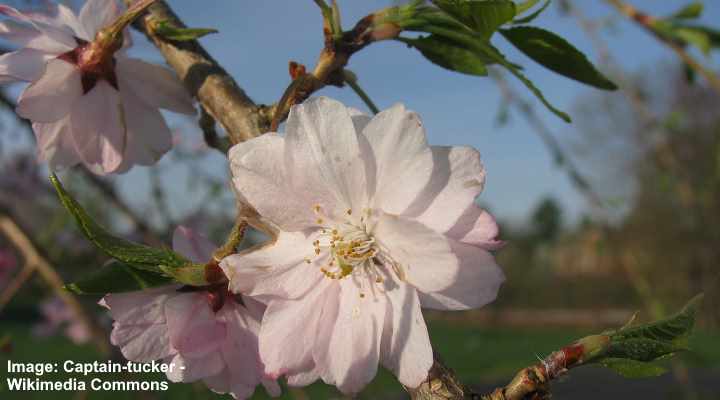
x=525 y=5
x=482 y=16
x=690 y=11
x=556 y=54
x=449 y=55
x=134 y=254
x=631 y=368
x=171 y=32
x=116 y=277
x=191 y=274
x=531 y=17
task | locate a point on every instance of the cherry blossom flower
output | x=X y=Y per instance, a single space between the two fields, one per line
x=58 y=316
x=207 y=335
x=88 y=102
x=372 y=224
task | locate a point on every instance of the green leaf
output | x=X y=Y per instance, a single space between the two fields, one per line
x=484 y=50
x=117 y=277
x=631 y=368
x=532 y=16
x=648 y=342
x=690 y=11
x=696 y=37
x=525 y=5
x=482 y=16
x=172 y=32
x=134 y=254
x=193 y=274
x=449 y=55
x=556 y=54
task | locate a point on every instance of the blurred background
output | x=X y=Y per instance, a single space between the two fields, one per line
x=616 y=213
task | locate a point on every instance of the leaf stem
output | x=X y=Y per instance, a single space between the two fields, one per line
x=351 y=81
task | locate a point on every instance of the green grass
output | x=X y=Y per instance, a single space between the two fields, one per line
x=478 y=354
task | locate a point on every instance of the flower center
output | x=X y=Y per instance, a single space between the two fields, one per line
x=350 y=248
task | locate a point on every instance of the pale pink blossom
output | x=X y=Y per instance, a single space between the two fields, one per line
x=205 y=335
x=58 y=316
x=372 y=224
x=99 y=108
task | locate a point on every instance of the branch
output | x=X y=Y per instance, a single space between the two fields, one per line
x=647 y=22
x=205 y=79
x=339 y=47
x=38 y=263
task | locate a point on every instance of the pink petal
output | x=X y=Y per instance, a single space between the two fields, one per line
x=289 y=330
x=156 y=85
x=148 y=137
x=194 y=329
x=142 y=343
x=276 y=269
x=97 y=14
x=193 y=245
x=99 y=131
x=354 y=348
x=477 y=227
x=403 y=160
x=478 y=281
x=22 y=65
x=425 y=256
x=406 y=349
x=142 y=307
x=52 y=96
x=323 y=152
x=55 y=145
x=190 y=369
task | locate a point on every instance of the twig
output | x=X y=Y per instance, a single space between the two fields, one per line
x=205 y=79
x=212 y=139
x=336 y=53
x=562 y=159
x=32 y=256
x=351 y=81
x=17 y=283
x=647 y=21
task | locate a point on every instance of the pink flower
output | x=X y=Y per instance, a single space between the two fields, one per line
x=372 y=224
x=208 y=335
x=58 y=315
x=89 y=102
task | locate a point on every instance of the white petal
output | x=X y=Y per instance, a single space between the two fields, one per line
x=478 y=281
x=424 y=255
x=156 y=85
x=259 y=176
x=323 y=145
x=288 y=332
x=52 y=38
x=52 y=96
x=98 y=128
x=447 y=204
x=97 y=14
x=148 y=136
x=354 y=348
x=192 y=245
x=406 y=348
x=55 y=144
x=23 y=65
x=277 y=269
x=403 y=160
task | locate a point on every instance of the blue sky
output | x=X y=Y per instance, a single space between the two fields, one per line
x=258 y=38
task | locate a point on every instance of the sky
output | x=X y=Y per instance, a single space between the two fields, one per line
x=257 y=39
